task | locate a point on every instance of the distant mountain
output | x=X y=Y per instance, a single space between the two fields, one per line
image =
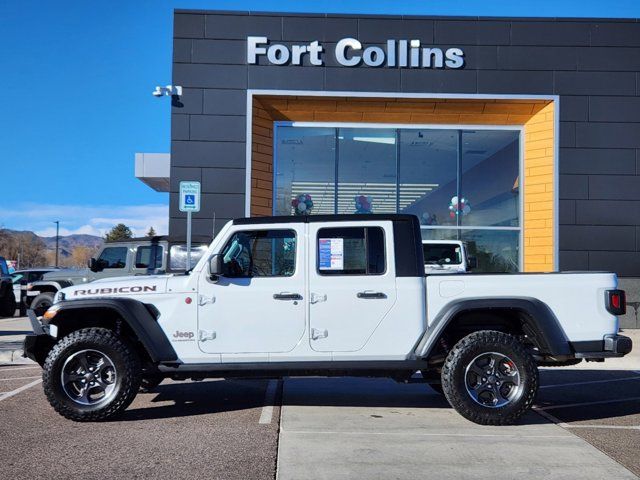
x=66 y=243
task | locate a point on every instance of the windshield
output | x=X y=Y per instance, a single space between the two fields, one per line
x=16 y=277
x=178 y=256
x=442 y=254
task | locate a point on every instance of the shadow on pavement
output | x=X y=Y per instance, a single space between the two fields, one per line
x=198 y=398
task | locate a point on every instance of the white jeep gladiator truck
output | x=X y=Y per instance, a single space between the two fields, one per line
x=334 y=295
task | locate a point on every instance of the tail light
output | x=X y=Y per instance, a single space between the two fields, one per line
x=616 y=302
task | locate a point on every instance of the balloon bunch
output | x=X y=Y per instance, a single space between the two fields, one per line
x=459 y=207
x=363 y=204
x=302 y=204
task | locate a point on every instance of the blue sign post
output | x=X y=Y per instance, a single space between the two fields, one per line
x=189 y=202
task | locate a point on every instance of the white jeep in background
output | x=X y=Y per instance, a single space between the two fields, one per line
x=326 y=295
x=447 y=256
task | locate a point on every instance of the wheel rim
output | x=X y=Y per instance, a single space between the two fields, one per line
x=89 y=377
x=493 y=380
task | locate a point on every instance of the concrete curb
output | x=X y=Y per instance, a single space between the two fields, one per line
x=13 y=356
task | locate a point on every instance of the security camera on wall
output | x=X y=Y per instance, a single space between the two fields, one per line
x=169 y=91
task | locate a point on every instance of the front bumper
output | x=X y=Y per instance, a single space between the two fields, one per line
x=37 y=345
x=609 y=347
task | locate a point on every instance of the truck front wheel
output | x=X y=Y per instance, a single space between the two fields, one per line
x=91 y=375
x=42 y=303
x=490 y=378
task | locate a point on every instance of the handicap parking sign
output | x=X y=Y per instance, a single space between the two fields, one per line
x=189 y=196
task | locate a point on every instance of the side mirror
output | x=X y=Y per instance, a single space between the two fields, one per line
x=215 y=266
x=472 y=262
x=92 y=264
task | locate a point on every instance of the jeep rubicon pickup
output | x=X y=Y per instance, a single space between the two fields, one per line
x=334 y=295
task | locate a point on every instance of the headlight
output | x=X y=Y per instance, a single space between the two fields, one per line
x=51 y=312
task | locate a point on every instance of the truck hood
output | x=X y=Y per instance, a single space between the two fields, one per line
x=119 y=287
x=70 y=274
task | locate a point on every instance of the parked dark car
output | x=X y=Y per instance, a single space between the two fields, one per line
x=7 y=299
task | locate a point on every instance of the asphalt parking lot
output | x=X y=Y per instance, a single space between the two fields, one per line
x=587 y=425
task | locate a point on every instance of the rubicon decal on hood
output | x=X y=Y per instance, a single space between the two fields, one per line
x=112 y=290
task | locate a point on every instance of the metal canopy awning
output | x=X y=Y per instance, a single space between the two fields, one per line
x=153 y=169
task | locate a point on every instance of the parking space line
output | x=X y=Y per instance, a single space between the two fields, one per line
x=586 y=404
x=269 y=399
x=21 y=389
x=17 y=378
x=590 y=382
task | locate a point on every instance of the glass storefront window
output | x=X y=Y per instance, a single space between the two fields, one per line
x=496 y=250
x=489 y=183
x=367 y=170
x=428 y=174
x=461 y=184
x=305 y=165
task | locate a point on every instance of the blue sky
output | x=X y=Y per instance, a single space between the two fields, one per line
x=76 y=81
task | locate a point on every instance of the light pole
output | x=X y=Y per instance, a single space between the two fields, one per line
x=57 y=222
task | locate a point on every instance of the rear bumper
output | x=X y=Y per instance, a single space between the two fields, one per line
x=610 y=346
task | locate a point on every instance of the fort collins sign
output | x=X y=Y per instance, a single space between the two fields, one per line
x=349 y=52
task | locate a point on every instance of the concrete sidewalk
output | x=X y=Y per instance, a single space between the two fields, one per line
x=378 y=429
x=12 y=332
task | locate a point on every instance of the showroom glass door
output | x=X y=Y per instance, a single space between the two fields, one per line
x=462 y=183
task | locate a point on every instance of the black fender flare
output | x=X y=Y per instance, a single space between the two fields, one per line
x=549 y=335
x=137 y=316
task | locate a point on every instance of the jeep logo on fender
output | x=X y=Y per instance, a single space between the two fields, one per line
x=110 y=290
x=183 y=336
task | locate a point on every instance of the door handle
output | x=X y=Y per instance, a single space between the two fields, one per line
x=287 y=296
x=370 y=294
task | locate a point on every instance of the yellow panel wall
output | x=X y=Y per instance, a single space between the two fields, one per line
x=539 y=184
x=536 y=116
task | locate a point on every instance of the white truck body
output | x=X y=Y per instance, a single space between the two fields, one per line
x=228 y=321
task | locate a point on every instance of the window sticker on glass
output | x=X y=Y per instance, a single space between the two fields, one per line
x=331 y=253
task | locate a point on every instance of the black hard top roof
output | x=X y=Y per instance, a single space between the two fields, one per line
x=357 y=217
x=163 y=238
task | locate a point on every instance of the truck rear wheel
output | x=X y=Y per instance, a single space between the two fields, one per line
x=490 y=378
x=42 y=303
x=91 y=375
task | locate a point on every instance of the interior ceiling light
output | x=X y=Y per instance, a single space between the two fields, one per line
x=385 y=140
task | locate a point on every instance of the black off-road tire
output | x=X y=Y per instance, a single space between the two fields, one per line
x=454 y=381
x=42 y=302
x=8 y=304
x=127 y=368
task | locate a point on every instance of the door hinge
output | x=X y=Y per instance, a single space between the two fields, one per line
x=316 y=297
x=317 y=333
x=203 y=300
x=204 y=335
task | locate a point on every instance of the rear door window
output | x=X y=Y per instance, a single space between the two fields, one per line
x=351 y=251
x=149 y=256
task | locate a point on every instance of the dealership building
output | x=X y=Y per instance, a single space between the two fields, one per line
x=518 y=135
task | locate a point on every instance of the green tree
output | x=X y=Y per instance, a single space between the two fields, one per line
x=119 y=232
x=151 y=232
